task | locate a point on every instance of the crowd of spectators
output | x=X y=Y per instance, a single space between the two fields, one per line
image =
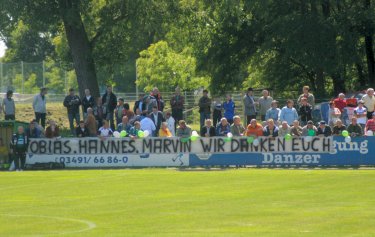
x=106 y=115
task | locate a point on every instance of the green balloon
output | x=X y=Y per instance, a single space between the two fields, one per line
x=345 y=133
x=185 y=139
x=250 y=139
x=311 y=132
x=288 y=137
x=123 y=133
x=227 y=139
x=140 y=133
x=194 y=138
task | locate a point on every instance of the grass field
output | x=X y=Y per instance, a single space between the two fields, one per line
x=169 y=202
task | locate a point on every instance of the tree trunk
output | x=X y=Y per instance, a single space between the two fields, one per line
x=369 y=47
x=361 y=76
x=338 y=84
x=320 y=83
x=80 y=48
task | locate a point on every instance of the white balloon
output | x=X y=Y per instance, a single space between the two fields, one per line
x=146 y=133
x=116 y=134
x=194 y=133
x=370 y=133
x=348 y=139
x=229 y=134
x=256 y=142
x=308 y=138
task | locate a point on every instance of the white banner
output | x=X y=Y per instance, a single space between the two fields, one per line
x=94 y=146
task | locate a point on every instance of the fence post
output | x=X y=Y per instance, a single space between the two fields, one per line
x=1 y=76
x=23 y=77
x=44 y=79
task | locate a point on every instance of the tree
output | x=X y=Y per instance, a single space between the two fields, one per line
x=161 y=66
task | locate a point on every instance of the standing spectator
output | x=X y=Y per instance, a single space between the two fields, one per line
x=33 y=131
x=369 y=102
x=124 y=125
x=254 y=129
x=284 y=129
x=305 y=111
x=208 y=130
x=270 y=130
x=324 y=130
x=105 y=130
x=249 y=104
x=148 y=125
x=164 y=131
x=296 y=129
x=72 y=103
x=333 y=114
x=354 y=129
x=340 y=102
x=139 y=104
x=273 y=112
x=150 y=103
x=109 y=104
x=159 y=100
x=99 y=112
x=229 y=107
x=87 y=102
x=8 y=106
x=91 y=124
x=361 y=113
x=171 y=123
x=217 y=108
x=19 y=145
x=39 y=106
x=338 y=128
x=288 y=113
x=306 y=94
x=127 y=112
x=183 y=130
x=157 y=118
x=223 y=127
x=265 y=102
x=119 y=110
x=177 y=104
x=204 y=108
x=370 y=125
x=309 y=127
x=52 y=131
x=81 y=130
x=237 y=129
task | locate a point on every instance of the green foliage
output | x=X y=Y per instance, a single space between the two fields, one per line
x=30 y=86
x=165 y=68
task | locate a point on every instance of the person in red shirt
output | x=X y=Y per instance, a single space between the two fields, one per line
x=370 y=125
x=340 y=102
x=254 y=129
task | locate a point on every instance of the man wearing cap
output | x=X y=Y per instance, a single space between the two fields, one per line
x=72 y=103
x=369 y=102
x=309 y=126
x=370 y=125
x=324 y=130
x=249 y=103
x=361 y=114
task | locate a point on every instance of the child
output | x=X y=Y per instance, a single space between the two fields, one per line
x=19 y=146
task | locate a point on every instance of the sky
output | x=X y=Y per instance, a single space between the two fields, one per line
x=2 y=48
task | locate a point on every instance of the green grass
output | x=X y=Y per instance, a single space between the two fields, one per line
x=168 y=202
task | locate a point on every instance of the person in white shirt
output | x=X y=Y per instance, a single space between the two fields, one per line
x=361 y=114
x=148 y=124
x=105 y=131
x=369 y=102
x=39 y=106
x=171 y=123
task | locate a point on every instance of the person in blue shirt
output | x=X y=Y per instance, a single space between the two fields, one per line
x=273 y=112
x=223 y=127
x=229 y=107
x=288 y=113
x=124 y=125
